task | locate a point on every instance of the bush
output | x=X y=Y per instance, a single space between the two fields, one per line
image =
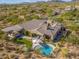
x=13 y=19
x=1 y=34
x=72 y=39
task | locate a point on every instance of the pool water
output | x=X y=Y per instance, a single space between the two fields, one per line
x=46 y=50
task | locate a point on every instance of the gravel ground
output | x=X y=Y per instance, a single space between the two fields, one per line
x=9 y=50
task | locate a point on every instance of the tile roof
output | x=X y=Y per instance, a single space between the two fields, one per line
x=31 y=25
x=38 y=25
x=12 y=28
x=43 y=30
x=54 y=29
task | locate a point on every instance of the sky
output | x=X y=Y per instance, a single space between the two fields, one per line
x=20 y=1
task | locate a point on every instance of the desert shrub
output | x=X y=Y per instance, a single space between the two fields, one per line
x=13 y=19
x=72 y=39
x=27 y=33
x=35 y=17
x=1 y=34
x=27 y=18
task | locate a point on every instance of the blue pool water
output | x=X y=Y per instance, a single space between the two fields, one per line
x=46 y=50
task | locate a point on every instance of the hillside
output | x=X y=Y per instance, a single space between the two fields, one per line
x=18 y=13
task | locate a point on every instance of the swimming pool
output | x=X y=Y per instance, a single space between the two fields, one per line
x=46 y=50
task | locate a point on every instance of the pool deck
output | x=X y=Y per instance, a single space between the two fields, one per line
x=52 y=46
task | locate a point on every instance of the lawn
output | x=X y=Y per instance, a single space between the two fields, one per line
x=25 y=41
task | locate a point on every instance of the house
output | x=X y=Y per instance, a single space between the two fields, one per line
x=69 y=8
x=42 y=28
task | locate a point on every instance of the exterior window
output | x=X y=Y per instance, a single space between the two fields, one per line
x=59 y=34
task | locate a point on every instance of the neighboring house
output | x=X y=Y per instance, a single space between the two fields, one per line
x=39 y=27
x=69 y=8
